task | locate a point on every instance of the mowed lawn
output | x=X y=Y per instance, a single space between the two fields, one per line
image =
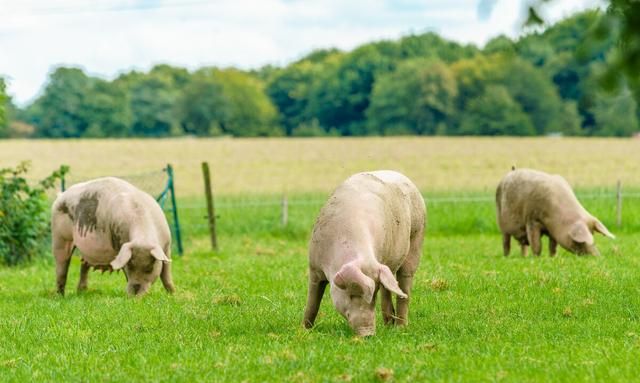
x=236 y=316
x=475 y=316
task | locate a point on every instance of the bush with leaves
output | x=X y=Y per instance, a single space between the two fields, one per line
x=24 y=214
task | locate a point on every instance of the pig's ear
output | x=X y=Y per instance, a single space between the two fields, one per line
x=602 y=229
x=159 y=254
x=123 y=257
x=352 y=279
x=580 y=233
x=389 y=281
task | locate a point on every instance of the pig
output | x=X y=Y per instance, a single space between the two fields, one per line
x=115 y=226
x=368 y=236
x=531 y=203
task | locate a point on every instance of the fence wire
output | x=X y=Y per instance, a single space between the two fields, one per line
x=271 y=202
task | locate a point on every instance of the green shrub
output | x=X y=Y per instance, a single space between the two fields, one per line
x=24 y=214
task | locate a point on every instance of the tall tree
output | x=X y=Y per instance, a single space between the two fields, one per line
x=107 y=111
x=341 y=93
x=615 y=114
x=620 y=23
x=227 y=102
x=60 y=111
x=417 y=98
x=153 y=101
x=495 y=112
x=290 y=88
x=526 y=84
x=431 y=45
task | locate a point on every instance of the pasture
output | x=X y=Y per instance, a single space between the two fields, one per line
x=236 y=316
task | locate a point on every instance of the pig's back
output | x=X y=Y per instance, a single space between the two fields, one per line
x=376 y=210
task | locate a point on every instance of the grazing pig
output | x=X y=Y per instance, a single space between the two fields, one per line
x=115 y=226
x=531 y=203
x=369 y=233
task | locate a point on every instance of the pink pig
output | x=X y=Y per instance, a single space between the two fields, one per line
x=369 y=233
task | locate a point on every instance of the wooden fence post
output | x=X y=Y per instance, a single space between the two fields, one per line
x=210 y=208
x=284 y=218
x=619 y=204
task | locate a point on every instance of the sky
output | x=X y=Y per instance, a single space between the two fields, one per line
x=109 y=37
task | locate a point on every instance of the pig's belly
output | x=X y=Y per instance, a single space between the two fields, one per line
x=95 y=247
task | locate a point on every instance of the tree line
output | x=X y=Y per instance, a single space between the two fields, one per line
x=547 y=82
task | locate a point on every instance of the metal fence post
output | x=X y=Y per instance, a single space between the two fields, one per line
x=210 y=208
x=174 y=208
x=285 y=210
x=619 y=204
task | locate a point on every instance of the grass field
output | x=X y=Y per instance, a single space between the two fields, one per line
x=475 y=315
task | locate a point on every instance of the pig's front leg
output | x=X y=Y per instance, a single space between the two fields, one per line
x=553 y=246
x=317 y=285
x=388 y=312
x=165 y=277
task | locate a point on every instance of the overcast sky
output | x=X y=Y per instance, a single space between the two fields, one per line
x=108 y=37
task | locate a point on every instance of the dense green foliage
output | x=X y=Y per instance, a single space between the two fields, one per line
x=24 y=214
x=546 y=82
x=620 y=23
x=236 y=315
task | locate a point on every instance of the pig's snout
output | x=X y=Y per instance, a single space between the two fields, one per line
x=366 y=331
x=363 y=325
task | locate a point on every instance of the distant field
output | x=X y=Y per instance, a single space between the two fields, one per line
x=273 y=166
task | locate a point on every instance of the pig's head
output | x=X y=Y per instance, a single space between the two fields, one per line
x=353 y=294
x=579 y=238
x=142 y=264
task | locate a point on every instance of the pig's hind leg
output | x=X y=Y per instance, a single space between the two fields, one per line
x=61 y=246
x=534 y=232
x=506 y=244
x=62 y=250
x=405 y=276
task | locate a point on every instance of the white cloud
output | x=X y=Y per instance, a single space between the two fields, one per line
x=107 y=37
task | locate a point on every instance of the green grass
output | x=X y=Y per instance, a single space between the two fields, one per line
x=474 y=316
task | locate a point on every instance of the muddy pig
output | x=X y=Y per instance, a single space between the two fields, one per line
x=115 y=226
